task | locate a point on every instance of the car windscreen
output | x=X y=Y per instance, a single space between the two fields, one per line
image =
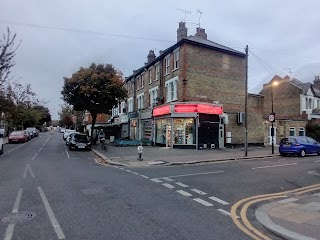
x=80 y=138
x=288 y=140
x=17 y=133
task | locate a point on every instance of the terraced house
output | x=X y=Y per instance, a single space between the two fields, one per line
x=191 y=95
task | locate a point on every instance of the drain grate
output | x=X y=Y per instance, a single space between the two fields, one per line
x=17 y=217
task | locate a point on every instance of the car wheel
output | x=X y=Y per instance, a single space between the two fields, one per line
x=318 y=152
x=1 y=150
x=70 y=148
x=302 y=153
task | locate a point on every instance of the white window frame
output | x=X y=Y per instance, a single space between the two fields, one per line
x=122 y=106
x=140 y=99
x=142 y=80
x=153 y=93
x=130 y=104
x=176 y=59
x=302 y=129
x=167 y=64
x=157 y=66
x=150 y=71
x=172 y=83
x=292 y=129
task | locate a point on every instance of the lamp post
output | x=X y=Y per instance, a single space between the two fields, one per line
x=272 y=118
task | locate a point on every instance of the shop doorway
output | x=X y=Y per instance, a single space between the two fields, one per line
x=209 y=134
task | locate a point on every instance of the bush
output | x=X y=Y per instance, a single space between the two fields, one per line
x=313 y=130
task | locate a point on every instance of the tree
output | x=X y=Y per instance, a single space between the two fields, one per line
x=7 y=54
x=95 y=89
x=66 y=116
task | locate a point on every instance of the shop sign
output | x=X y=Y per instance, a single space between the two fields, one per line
x=198 y=108
x=124 y=119
x=161 y=110
x=133 y=114
x=145 y=114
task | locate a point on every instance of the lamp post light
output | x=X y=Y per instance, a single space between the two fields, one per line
x=272 y=117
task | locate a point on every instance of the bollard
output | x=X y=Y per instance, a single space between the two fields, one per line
x=140 y=151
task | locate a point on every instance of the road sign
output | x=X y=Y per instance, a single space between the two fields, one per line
x=272 y=117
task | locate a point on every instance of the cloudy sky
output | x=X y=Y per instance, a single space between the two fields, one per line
x=60 y=36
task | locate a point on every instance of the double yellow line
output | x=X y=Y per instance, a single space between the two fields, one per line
x=243 y=205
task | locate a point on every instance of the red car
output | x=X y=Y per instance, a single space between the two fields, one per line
x=18 y=136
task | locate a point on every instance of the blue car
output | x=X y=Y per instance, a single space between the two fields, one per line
x=298 y=145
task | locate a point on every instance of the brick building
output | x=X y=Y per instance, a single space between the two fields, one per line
x=191 y=95
x=294 y=103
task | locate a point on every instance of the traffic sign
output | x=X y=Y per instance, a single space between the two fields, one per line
x=272 y=117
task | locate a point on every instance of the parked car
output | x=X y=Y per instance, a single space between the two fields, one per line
x=1 y=146
x=69 y=136
x=30 y=134
x=34 y=130
x=18 y=136
x=298 y=145
x=66 y=132
x=62 y=130
x=79 y=141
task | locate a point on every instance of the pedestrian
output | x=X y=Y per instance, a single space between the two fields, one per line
x=1 y=132
x=101 y=134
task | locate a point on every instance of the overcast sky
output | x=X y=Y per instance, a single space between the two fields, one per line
x=282 y=36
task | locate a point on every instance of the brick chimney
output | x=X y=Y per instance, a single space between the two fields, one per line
x=316 y=82
x=182 y=31
x=201 y=33
x=151 y=56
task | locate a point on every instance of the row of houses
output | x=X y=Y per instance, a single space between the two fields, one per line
x=193 y=95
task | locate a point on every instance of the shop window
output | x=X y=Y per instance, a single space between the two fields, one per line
x=292 y=131
x=302 y=132
x=163 y=131
x=184 y=131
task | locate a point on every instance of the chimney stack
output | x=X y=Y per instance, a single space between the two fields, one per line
x=151 y=56
x=316 y=82
x=182 y=31
x=201 y=33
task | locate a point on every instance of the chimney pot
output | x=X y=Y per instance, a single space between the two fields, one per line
x=201 y=33
x=182 y=31
x=151 y=56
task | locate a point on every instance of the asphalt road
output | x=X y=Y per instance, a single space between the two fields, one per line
x=70 y=196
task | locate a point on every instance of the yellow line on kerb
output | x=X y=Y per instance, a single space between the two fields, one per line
x=246 y=227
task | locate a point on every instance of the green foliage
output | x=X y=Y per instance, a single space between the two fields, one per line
x=313 y=130
x=95 y=89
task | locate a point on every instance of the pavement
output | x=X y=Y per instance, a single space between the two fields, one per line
x=292 y=218
x=152 y=155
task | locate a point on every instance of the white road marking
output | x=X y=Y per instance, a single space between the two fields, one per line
x=40 y=149
x=168 y=179
x=194 y=174
x=168 y=185
x=181 y=184
x=224 y=212
x=219 y=200
x=184 y=193
x=67 y=152
x=17 y=202
x=10 y=228
x=198 y=191
x=156 y=180
x=313 y=173
x=288 y=200
x=317 y=161
x=35 y=156
x=51 y=215
x=121 y=168
x=203 y=202
x=128 y=170
x=26 y=170
x=9 y=232
x=135 y=173
x=272 y=166
x=144 y=176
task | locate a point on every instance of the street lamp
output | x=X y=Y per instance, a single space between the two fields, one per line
x=272 y=118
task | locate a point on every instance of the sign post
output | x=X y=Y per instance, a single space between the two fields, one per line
x=272 y=118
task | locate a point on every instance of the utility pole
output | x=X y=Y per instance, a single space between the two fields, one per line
x=246 y=107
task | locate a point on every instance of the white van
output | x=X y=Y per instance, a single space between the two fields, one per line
x=1 y=146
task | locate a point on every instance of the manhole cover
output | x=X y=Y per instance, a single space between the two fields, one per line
x=17 y=217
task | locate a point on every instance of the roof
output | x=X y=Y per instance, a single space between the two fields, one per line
x=192 y=40
x=218 y=46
